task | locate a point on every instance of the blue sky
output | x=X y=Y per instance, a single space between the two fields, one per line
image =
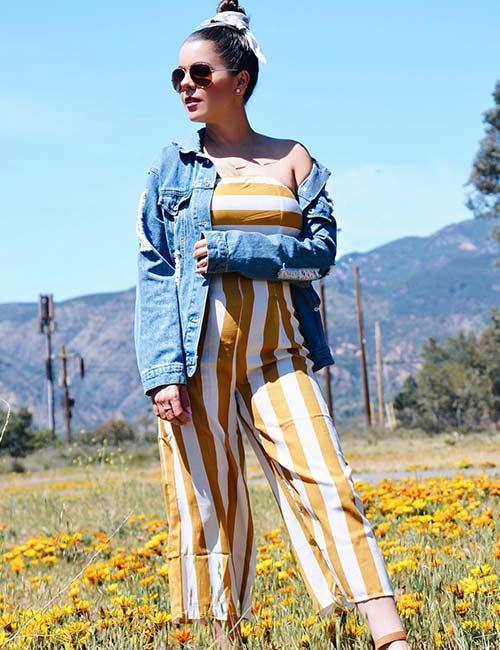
x=389 y=96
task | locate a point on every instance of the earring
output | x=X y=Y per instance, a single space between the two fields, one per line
x=238 y=90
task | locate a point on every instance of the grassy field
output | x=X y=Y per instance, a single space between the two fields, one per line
x=82 y=551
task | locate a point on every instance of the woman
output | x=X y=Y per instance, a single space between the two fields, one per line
x=233 y=227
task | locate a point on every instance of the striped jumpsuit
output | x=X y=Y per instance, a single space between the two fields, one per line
x=253 y=378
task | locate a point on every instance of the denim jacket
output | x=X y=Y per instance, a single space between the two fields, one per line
x=173 y=213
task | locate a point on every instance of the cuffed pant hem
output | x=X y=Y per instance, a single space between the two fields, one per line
x=187 y=617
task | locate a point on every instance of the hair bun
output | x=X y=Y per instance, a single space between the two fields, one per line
x=230 y=5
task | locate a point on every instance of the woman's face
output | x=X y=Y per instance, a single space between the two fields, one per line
x=220 y=98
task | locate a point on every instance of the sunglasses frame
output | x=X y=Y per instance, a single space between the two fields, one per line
x=209 y=79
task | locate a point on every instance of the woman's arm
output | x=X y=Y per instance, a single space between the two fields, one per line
x=157 y=330
x=277 y=256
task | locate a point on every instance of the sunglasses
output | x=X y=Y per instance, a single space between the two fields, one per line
x=200 y=73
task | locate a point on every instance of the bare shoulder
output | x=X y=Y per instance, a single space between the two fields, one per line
x=301 y=161
x=296 y=154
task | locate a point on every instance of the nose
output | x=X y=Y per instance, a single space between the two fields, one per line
x=187 y=82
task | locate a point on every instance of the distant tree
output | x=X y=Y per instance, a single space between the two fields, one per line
x=489 y=353
x=114 y=432
x=406 y=404
x=485 y=174
x=452 y=396
x=19 y=438
x=458 y=384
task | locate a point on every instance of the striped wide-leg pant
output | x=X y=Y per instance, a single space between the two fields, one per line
x=253 y=378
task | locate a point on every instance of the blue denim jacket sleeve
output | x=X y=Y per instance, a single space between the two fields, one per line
x=157 y=329
x=279 y=257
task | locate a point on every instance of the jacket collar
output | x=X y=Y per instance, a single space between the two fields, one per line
x=310 y=187
x=192 y=142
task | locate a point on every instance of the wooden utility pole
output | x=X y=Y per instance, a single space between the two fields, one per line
x=391 y=416
x=362 y=358
x=68 y=402
x=380 y=381
x=47 y=325
x=328 y=385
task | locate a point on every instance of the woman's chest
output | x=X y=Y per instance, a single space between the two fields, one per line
x=255 y=203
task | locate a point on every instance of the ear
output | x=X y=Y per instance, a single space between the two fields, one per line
x=242 y=81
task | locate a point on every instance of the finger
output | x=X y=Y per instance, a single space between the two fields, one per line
x=202 y=264
x=201 y=251
x=180 y=419
x=178 y=409
x=164 y=411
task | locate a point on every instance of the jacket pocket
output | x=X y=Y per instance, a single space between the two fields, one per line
x=172 y=199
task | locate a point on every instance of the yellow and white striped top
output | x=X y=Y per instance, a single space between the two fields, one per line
x=255 y=203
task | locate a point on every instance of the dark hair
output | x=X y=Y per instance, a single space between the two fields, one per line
x=231 y=46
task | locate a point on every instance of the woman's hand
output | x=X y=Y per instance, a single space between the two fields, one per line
x=172 y=403
x=201 y=252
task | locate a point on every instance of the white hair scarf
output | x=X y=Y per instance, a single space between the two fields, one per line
x=238 y=20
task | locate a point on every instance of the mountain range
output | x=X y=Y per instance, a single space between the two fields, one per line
x=415 y=287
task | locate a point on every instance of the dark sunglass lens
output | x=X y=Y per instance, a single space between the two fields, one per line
x=177 y=77
x=201 y=74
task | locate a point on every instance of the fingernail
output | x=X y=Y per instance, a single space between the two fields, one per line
x=188 y=409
